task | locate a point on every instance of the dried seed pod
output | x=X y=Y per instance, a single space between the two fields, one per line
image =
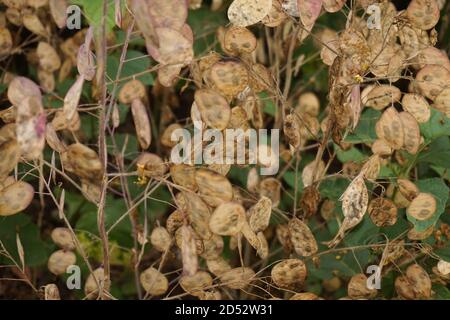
x=371 y=168
x=154 y=282
x=227 y=219
x=432 y=79
x=174 y=47
x=412 y=132
x=432 y=55
x=239 y=40
x=308 y=103
x=390 y=128
x=414 y=234
x=82 y=161
x=48 y=57
x=85 y=61
x=188 y=250
x=63 y=238
x=10 y=157
x=151 y=165
x=244 y=13
x=237 y=278
x=333 y=5
x=417 y=106
x=20 y=88
x=8 y=115
x=263 y=246
x=141 y=123
x=312 y=172
x=309 y=201
x=423 y=14
x=132 y=90
x=91 y=190
x=276 y=15
x=270 y=188
x=382 y=96
x=72 y=99
x=199 y=249
x=161 y=239
x=174 y=221
x=46 y=80
x=58 y=9
x=259 y=214
x=260 y=78
x=415 y=284
x=51 y=292
x=289 y=274
x=327 y=209
x=218 y=266
x=382 y=212
x=381 y=148
x=214 y=188
x=15 y=197
x=291 y=129
x=357 y=288
x=302 y=238
x=32 y=23
x=221 y=169
x=443 y=267
x=229 y=78
x=309 y=11
x=252 y=180
x=94 y=283
x=238 y=119
x=442 y=102
x=184 y=175
x=166 y=138
x=283 y=236
x=60 y=260
x=408 y=189
x=213 y=247
x=199 y=215
x=196 y=284
x=214 y=109
x=6 y=43
x=422 y=207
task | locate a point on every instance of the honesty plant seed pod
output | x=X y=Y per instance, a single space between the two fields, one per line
x=94 y=283
x=276 y=15
x=174 y=48
x=408 y=189
x=412 y=132
x=302 y=238
x=46 y=80
x=422 y=207
x=199 y=215
x=85 y=62
x=309 y=12
x=442 y=102
x=197 y=283
x=188 y=251
x=214 y=109
x=174 y=221
x=213 y=247
x=60 y=260
x=21 y=88
x=423 y=14
x=141 y=123
x=417 y=106
x=15 y=198
x=414 y=234
x=382 y=96
x=63 y=238
x=381 y=148
x=151 y=165
x=48 y=57
x=432 y=79
x=227 y=219
x=239 y=40
x=160 y=239
x=166 y=138
x=244 y=13
x=214 y=188
x=312 y=172
x=390 y=128
x=58 y=10
x=51 y=292
x=270 y=188
x=72 y=98
x=154 y=282
x=132 y=90
x=184 y=175
x=305 y=296
x=34 y=24
x=10 y=157
x=83 y=161
x=382 y=212
x=291 y=129
x=357 y=288
x=259 y=214
x=237 y=278
x=229 y=78
x=218 y=266
x=289 y=274
x=6 y=43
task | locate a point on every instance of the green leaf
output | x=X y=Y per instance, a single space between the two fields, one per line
x=437 y=126
x=437 y=153
x=268 y=104
x=204 y=24
x=131 y=147
x=439 y=190
x=365 y=131
x=289 y=177
x=352 y=154
x=93 y=11
x=333 y=188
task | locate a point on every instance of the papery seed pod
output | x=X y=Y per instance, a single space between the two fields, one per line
x=260 y=78
x=184 y=175
x=412 y=133
x=141 y=123
x=229 y=78
x=309 y=201
x=423 y=14
x=72 y=99
x=390 y=128
x=327 y=209
x=34 y=24
x=188 y=251
x=382 y=96
x=291 y=129
x=357 y=288
x=21 y=88
x=82 y=161
x=85 y=62
x=417 y=106
x=166 y=138
x=60 y=260
x=58 y=10
x=46 y=80
x=312 y=172
x=442 y=102
x=199 y=215
x=414 y=234
x=214 y=109
x=213 y=247
x=218 y=266
x=289 y=274
x=199 y=248
x=431 y=80
x=381 y=148
x=174 y=221
x=276 y=15
x=95 y=283
x=48 y=57
x=239 y=40
x=196 y=284
x=151 y=165
x=422 y=207
x=51 y=292
x=154 y=282
x=6 y=42
x=259 y=214
x=132 y=90
x=8 y=115
x=382 y=212
x=253 y=180
x=237 y=278
x=91 y=190
x=10 y=157
x=263 y=247
x=227 y=219
x=270 y=188
x=415 y=284
x=243 y=13
x=302 y=238
x=371 y=168
x=443 y=267
x=214 y=188
x=63 y=238
x=174 y=47
x=15 y=198
x=308 y=103
x=160 y=239
x=309 y=11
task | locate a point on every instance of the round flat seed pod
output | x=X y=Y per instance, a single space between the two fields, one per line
x=63 y=238
x=312 y=172
x=420 y=281
x=422 y=207
x=58 y=11
x=408 y=189
x=237 y=278
x=20 y=88
x=91 y=287
x=357 y=288
x=404 y=288
x=309 y=11
x=227 y=219
x=6 y=43
x=382 y=96
x=60 y=260
x=213 y=247
x=168 y=75
x=390 y=128
x=214 y=108
x=239 y=40
x=382 y=212
x=244 y=13
x=276 y=15
x=15 y=198
x=82 y=161
x=282 y=231
x=10 y=152
x=184 y=175
x=168 y=13
x=218 y=266
x=442 y=102
x=154 y=282
x=260 y=78
x=381 y=148
x=270 y=188
x=48 y=57
x=259 y=214
x=333 y=5
x=213 y=187
x=151 y=164
x=160 y=239
x=141 y=123
x=289 y=274
x=34 y=24
x=308 y=103
x=199 y=215
x=197 y=283
x=46 y=80
x=132 y=90
x=192 y=240
x=412 y=132
x=432 y=55
x=423 y=14
x=413 y=234
x=417 y=106
x=432 y=79
x=174 y=47
x=229 y=78
x=51 y=292
x=291 y=129
x=302 y=238
x=239 y=119
x=443 y=267
x=174 y=221
x=166 y=138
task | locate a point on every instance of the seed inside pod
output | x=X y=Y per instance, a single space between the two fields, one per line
x=214 y=109
x=213 y=247
x=289 y=274
x=60 y=260
x=390 y=128
x=160 y=239
x=237 y=278
x=417 y=106
x=291 y=129
x=302 y=238
x=357 y=288
x=15 y=198
x=422 y=207
x=244 y=13
x=382 y=212
x=412 y=132
x=276 y=15
x=63 y=238
x=239 y=40
x=154 y=282
x=214 y=188
x=259 y=214
x=227 y=219
x=82 y=161
x=229 y=78
x=196 y=284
